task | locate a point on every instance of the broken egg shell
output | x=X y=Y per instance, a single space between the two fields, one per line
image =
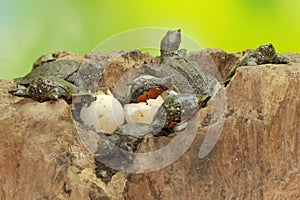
x=142 y=112
x=105 y=114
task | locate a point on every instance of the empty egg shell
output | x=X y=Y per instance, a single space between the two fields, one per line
x=105 y=114
x=142 y=112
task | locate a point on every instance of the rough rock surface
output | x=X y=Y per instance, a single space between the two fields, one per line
x=121 y=68
x=216 y=61
x=42 y=156
x=256 y=157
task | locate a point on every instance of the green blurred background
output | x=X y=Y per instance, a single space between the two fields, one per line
x=31 y=28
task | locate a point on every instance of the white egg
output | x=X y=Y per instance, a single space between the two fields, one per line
x=105 y=114
x=142 y=112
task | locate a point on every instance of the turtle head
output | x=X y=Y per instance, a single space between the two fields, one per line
x=170 y=42
x=267 y=51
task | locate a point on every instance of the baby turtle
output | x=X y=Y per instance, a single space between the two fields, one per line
x=48 y=81
x=177 y=109
x=48 y=88
x=58 y=79
x=63 y=69
x=195 y=85
x=264 y=54
x=188 y=76
x=128 y=136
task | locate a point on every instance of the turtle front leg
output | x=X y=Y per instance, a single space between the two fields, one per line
x=20 y=92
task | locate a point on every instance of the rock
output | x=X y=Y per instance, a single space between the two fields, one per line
x=216 y=61
x=42 y=156
x=256 y=156
x=58 y=55
x=122 y=70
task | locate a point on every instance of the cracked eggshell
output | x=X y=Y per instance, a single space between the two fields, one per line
x=105 y=114
x=142 y=112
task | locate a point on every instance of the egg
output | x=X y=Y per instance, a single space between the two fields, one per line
x=105 y=114
x=142 y=112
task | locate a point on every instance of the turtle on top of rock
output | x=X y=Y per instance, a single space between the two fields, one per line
x=54 y=77
x=194 y=87
x=264 y=54
x=188 y=76
x=48 y=81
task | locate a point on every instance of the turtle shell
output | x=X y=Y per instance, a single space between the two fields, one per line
x=60 y=68
x=144 y=88
x=188 y=76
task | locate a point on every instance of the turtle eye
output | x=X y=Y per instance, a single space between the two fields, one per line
x=55 y=55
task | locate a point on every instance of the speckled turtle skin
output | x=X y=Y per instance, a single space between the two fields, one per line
x=188 y=76
x=48 y=88
x=176 y=109
x=262 y=55
x=129 y=135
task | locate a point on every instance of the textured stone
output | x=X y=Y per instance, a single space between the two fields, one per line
x=256 y=157
x=216 y=61
x=42 y=156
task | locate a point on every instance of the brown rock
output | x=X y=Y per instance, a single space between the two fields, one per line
x=257 y=154
x=216 y=61
x=122 y=69
x=293 y=57
x=58 y=55
x=256 y=157
x=42 y=156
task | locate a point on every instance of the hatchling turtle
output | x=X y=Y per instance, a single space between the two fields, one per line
x=48 y=88
x=188 y=76
x=195 y=87
x=177 y=109
x=57 y=79
x=263 y=54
